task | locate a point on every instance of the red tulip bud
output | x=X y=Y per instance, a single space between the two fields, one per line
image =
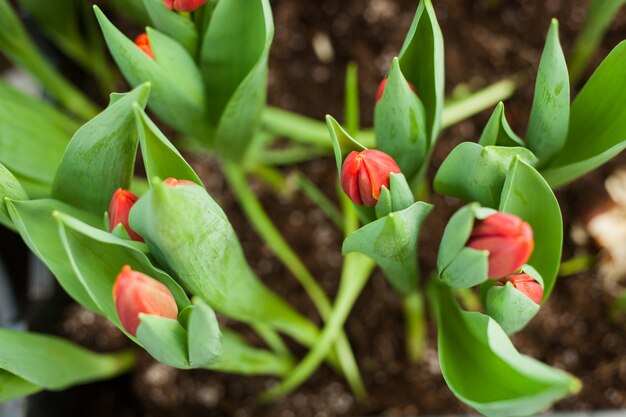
x=183 y=5
x=173 y=182
x=508 y=239
x=143 y=43
x=364 y=173
x=135 y=293
x=121 y=203
x=526 y=285
x=383 y=84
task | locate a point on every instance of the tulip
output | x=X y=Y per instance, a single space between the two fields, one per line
x=143 y=43
x=119 y=209
x=173 y=182
x=383 y=84
x=525 y=284
x=135 y=293
x=183 y=5
x=364 y=173
x=508 y=239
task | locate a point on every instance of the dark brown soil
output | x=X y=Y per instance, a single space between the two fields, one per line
x=485 y=42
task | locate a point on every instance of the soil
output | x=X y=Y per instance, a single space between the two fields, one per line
x=485 y=41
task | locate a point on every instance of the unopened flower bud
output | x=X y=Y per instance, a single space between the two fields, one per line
x=143 y=43
x=173 y=182
x=525 y=284
x=364 y=173
x=119 y=208
x=383 y=84
x=183 y=5
x=135 y=293
x=508 y=239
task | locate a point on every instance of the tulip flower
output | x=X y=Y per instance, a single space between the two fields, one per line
x=364 y=173
x=135 y=293
x=143 y=43
x=383 y=84
x=183 y=5
x=525 y=284
x=508 y=239
x=173 y=182
x=121 y=203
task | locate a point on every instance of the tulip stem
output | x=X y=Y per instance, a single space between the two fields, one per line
x=261 y=222
x=355 y=274
x=415 y=325
x=273 y=340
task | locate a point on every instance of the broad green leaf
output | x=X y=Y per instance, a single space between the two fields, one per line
x=161 y=159
x=234 y=56
x=203 y=335
x=597 y=129
x=400 y=124
x=458 y=265
x=485 y=371
x=40 y=361
x=101 y=156
x=497 y=131
x=342 y=142
x=165 y=339
x=97 y=257
x=36 y=224
x=475 y=173
x=549 y=116
x=33 y=137
x=177 y=93
x=422 y=63
x=189 y=234
x=173 y=24
x=392 y=242
x=509 y=307
x=12 y=386
x=12 y=189
x=527 y=195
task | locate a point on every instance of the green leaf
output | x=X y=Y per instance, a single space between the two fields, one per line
x=101 y=156
x=177 y=92
x=458 y=265
x=173 y=24
x=12 y=189
x=161 y=159
x=34 y=221
x=401 y=194
x=392 y=242
x=485 y=371
x=233 y=59
x=342 y=142
x=497 y=131
x=188 y=233
x=165 y=339
x=509 y=307
x=33 y=137
x=549 y=116
x=352 y=116
x=203 y=335
x=34 y=361
x=12 y=386
x=400 y=124
x=475 y=173
x=597 y=129
x=422 y=63
x=97 y=257
x=527 y=195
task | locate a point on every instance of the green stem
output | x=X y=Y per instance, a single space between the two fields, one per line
x=415 y=325
x=273 y=340
x=309 y=131
x=474 y=103
x=69 y=96
x=356 y=272
x=318 y=197
x=266 y=229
